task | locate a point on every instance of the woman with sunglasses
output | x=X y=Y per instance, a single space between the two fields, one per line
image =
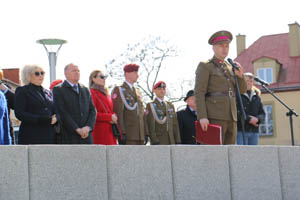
x=34 y=108
x=102 y=133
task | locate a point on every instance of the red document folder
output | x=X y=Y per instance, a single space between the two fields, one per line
x=213 y=135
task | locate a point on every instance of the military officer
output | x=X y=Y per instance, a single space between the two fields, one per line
x=215 y=89
x=161 y=118
x=128 y=106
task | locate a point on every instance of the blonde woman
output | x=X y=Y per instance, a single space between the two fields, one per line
x=34 y=108
x=102 y=133
x=255 y=113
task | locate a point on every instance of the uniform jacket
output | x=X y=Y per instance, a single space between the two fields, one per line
x=186 y=121
x=130 y=121
x=4 y=121
x=102 y=133
x=35 y=111
x=160 y=131
x=211 y=78
x=76 y=111
x=253 y=106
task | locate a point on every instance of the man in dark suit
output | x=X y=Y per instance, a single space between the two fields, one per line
x=76 y=109
x=186 y=120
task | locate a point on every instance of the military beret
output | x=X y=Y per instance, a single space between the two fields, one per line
x=189 y=94
x=54 y=83
x=160 y=84
x=131 y=68
x=220 y=36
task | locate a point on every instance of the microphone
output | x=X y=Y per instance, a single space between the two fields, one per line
x=233 y=64
x=261 y=81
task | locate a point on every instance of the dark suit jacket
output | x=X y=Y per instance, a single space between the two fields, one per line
x=186 y=121
x=35 y=113
x=76 y=111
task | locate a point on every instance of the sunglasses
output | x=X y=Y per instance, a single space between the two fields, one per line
x=39 y=73
x=102 y=76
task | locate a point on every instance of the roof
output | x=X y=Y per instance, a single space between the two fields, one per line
x=12 y=74
x=276 y=47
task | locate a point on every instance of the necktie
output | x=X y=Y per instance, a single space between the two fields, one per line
x=75 y=87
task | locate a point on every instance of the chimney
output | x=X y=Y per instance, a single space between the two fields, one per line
x=240 y=43
x=12 y=74
x=294 y=39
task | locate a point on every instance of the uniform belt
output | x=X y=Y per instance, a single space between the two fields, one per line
x=219 y=94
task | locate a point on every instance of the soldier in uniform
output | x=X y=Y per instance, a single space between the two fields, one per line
x=161 y=118
x=215 y=89
x=129 y=108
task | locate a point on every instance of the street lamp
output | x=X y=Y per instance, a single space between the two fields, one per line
x=52 y=54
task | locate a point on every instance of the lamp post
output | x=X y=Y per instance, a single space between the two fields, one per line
x=52 y=54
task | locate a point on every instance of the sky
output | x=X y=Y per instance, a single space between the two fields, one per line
x=98 y=31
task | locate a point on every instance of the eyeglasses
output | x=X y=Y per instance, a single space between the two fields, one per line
x=39 y=73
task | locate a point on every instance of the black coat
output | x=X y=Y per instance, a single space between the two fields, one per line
x=34 y=109
x=186 y=121
x=254 y=107
x=76 y=111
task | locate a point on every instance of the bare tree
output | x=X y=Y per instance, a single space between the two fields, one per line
x=150 y=54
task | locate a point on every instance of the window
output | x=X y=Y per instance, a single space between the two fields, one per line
x=267 y=127
x=266 y=74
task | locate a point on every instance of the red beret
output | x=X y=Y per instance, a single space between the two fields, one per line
x=54 y=83
x=160 y=84
x=131 y=68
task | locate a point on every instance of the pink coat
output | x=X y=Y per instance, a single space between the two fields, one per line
x=102 y=133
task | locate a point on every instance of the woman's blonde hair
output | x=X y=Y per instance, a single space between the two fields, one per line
x=26 y=73
x=254 y=88
x=94 y=75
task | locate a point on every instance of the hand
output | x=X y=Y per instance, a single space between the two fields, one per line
x=237 y=72
x=114 y=119
x=3 y=87
x=54 y=119
x=82 y=133
x=86 y=130
x=253 y=121
x=204 y=123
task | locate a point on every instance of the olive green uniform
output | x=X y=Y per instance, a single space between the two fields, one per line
x=130 y=116
x=215 y=96
x=162 y=123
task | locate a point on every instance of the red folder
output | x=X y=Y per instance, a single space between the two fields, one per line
x=213 y=135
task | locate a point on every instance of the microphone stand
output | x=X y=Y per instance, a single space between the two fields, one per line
x=243 y=117
x=290 y=113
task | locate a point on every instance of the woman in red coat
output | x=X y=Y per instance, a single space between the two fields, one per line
x=102 y=133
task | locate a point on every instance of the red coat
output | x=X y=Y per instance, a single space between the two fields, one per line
x=102 y=133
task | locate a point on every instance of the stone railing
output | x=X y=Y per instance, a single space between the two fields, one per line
x=149 y=172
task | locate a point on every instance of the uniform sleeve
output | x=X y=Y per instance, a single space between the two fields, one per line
x=201 y=83
x=118 y=108
x=176 y=128
x=242 y=84
x=151 y=125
